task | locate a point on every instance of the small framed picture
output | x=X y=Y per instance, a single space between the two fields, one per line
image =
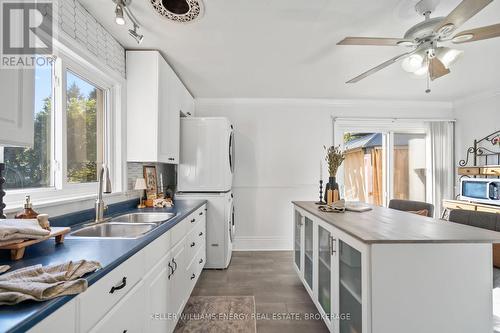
x=151 y=181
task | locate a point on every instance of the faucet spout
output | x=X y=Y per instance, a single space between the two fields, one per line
x=104 y=187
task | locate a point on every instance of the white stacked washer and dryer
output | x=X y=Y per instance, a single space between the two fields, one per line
x=206 y=172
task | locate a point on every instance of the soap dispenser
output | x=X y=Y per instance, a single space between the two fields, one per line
x=28 y=212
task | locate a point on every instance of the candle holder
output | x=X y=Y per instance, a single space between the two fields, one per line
x=320 y=202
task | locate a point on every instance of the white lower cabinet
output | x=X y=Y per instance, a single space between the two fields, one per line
x=158 y=295
x=63 y=320
x=330 y=265
x=127 y=316
x=146 y=293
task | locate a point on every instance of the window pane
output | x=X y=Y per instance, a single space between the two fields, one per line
x=409 y=166
x=84 y=118
x=30 y=167
x=363 y=167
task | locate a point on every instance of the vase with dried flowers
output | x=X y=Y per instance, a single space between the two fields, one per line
x=334 y=157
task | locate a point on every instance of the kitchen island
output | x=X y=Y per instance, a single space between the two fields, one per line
x=387 y=271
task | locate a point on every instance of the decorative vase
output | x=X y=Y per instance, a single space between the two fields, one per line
x=331 y=185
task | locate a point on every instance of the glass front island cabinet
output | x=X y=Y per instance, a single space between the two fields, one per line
x=387 y=271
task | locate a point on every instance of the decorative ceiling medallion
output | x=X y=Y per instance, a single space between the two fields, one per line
x=178 y=10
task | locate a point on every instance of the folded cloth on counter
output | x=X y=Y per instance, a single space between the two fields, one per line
x=4 y=268
x=18 y=229
x=40 y=283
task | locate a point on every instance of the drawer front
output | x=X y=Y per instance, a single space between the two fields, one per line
x=195 y=268
x=105 y=293
x=179 y=231
x=63 y=320
x=468 y=171
x=198 y=216
x=195 y=240
x=461 y=206
x=491 y=171
x=127 y=316
x=488 y=210
x=156 y=250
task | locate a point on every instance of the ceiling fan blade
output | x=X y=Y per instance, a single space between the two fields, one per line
x=490 y=31
x=377 y=41
x=437 y=69
x=464 y=11
x=380 y=67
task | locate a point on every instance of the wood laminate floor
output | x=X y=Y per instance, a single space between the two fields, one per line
x=271 y=279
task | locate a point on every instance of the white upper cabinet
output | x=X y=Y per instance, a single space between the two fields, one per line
x=17 y=89
x=155 y=99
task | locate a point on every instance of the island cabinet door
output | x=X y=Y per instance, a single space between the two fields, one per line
x=352 y=286
x=326 y=274
x=308 y=253
x=298 y=242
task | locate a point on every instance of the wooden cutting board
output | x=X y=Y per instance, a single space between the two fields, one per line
x=17 y=249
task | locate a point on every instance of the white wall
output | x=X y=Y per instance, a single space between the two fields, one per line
x=279 y=144
x=476 y=117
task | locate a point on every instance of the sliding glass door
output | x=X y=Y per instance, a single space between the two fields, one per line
x=380 y=166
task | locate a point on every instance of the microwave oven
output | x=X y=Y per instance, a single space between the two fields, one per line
x=480 y=190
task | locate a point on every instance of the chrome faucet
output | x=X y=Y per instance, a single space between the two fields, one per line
x=104 y=187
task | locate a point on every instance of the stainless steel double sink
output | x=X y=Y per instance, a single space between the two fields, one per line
x=133 y=225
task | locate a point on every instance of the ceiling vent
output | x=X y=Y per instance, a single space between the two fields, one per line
x=178 y=10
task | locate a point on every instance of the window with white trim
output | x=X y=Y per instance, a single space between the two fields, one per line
x=71 y=113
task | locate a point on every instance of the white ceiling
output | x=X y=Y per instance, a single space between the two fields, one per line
x=286 y=48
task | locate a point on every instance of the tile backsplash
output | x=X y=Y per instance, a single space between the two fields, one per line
x=169 y=172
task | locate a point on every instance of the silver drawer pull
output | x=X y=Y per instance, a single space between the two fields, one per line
x=193 y=220
x=193 y=244
x=193 y=276
x=201 y=261
x=200 y=234
x=121 y=285
x=201 y=213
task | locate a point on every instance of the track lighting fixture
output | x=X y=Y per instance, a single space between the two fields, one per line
x=122 y=6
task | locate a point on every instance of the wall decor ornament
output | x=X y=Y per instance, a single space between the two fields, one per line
x=151 y=182
x=183 y=11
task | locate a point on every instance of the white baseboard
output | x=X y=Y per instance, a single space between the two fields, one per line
x=257 y=243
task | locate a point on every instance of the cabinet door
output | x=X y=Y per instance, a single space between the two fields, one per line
x=350 y=288
x=17 y=88
x=169 y=115
x=297 y=243
x=178 y=282
x=308 y=251
x=126 y=316
x=324 y=265
x=157 y=284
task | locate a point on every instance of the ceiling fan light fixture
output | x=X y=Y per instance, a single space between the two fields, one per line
x=448 y=56
x=119 y=19
x=446 y=29
x=462 y=38
x=422 y=70
x=412 y=63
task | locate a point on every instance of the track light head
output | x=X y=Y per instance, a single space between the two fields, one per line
x=133 y=32
x=119 y=19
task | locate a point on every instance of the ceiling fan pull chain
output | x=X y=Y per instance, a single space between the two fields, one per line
x=429 y=69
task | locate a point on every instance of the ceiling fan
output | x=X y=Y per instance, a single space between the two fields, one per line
x=426 y=56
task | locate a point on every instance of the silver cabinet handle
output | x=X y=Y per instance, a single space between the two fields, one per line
x=193 y=220
x=193 y=244
x=201 y=261
x=200 y=234
x=193 y=276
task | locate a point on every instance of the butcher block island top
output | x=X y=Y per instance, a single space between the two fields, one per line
x=385 y=225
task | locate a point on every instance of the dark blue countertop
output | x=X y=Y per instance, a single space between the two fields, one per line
x=109 y=252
